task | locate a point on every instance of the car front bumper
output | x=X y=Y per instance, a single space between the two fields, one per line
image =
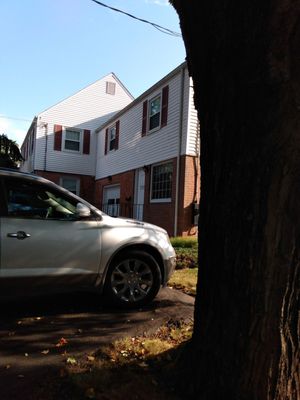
x=170 y=265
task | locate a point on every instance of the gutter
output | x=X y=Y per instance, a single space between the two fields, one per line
x=179 y=149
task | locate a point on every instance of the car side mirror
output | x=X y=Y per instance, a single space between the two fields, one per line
x=82 y=211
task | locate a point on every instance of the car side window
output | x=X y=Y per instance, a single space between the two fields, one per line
x=27 y=199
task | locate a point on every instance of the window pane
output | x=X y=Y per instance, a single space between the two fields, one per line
x=70 y=184
x=70 y=145
x=112 y=138
x=30 y=200
x=162 y=181
x=72 y=135
x=155 y=106
x=154 y=121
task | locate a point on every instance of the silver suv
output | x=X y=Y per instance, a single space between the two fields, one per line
x=52 y=240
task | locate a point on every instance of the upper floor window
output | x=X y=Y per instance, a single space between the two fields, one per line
x=72 y=140
x=161 y=182
x=112 y=137
x=155 y=112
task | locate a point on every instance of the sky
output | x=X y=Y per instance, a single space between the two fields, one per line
x=50 y=49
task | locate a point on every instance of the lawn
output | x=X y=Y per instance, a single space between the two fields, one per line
x=143 y=367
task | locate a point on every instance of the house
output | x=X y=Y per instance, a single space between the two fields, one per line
x=60 y=144
x=147 y=163
x=135 y=158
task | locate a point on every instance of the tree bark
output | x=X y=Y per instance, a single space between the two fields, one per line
x=244 y=58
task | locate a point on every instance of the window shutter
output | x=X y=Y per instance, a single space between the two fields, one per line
x=86 y=141
x=57 y=137
x=164 y=107
x=117 y=134
x=145 y=113
x=106 y=139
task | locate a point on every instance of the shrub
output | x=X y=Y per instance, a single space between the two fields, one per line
x=186 y=249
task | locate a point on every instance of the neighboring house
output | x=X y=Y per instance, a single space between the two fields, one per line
x=60 y=144
x=148 y=157
x=132 y=158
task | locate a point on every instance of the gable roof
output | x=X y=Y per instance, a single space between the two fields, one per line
x=143 y=95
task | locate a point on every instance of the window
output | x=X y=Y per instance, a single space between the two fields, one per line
x=154 y=113
x=71 y=184
x=72 y=140
x=111 y=138
x=161 y=183
x=110 y=88
x=35 y=201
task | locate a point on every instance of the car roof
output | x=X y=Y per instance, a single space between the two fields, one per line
x=18 y=173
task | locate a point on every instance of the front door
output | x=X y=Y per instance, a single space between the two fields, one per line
x=139 y=193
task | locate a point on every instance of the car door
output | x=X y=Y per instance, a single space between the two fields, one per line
x=44 y=245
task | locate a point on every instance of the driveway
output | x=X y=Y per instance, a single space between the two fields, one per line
x=37 y=336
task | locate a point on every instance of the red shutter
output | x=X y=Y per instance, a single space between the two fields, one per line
x=164 y=107
x=106 y=139
x=117 y=134
x=86 y=141
x=57 y=137
x=145 y=114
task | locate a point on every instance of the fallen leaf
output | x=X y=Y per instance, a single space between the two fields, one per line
x=90 y=358
x=62 y=342
x=71 y=361
x=90 y=393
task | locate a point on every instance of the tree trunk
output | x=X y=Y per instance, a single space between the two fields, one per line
x=244 y=58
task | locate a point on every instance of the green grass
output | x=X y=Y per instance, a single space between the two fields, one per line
x=185 y=280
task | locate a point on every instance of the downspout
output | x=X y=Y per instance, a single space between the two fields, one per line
x=179 y=152
x=45 y=127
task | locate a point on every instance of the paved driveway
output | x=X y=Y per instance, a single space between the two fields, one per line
x=37 y=335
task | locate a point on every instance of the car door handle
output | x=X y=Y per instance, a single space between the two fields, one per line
x=19 y=235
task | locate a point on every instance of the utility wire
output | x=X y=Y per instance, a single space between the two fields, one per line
x=159 y=27
x=15 y=118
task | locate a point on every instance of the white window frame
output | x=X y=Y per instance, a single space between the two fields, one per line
x=65 y=129
x=61 y=180
x=159 y=95
x=161 y=200
x=112 y=129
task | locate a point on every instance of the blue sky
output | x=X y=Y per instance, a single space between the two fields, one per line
x=50 y=49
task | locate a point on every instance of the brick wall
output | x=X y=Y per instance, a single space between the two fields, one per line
x=87 y=183
x=188 y=195
x=161 y=214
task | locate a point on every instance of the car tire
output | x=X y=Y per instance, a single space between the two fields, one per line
x=133 y=280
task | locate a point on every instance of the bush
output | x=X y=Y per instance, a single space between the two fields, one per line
x=184 y=242
x=186 y=249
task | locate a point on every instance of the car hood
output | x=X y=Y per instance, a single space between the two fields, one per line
x=127 y=222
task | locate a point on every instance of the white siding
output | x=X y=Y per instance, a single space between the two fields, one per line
x=136 y=151
x=193 y=127
x=86 y=109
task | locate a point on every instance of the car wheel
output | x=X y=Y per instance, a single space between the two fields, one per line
x=133 y=280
